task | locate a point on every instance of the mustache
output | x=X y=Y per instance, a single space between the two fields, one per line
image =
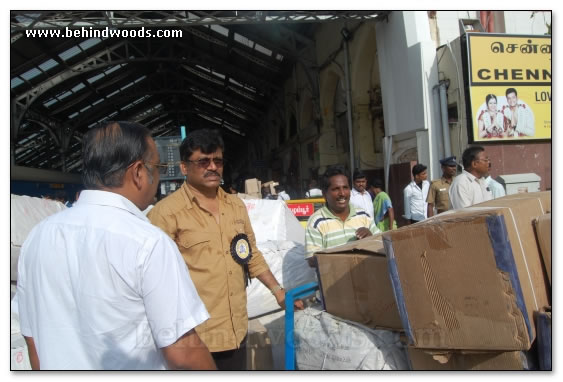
x=211 y=173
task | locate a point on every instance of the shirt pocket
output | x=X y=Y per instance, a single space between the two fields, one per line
x=197 y=249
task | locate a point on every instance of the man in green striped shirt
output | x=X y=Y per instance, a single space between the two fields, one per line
x=338 y=222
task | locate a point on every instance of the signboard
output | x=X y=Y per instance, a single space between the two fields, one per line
x=509 y=86
x=301 y=209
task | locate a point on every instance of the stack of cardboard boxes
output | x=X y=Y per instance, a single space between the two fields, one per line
x=252 y=189
x=465 y=286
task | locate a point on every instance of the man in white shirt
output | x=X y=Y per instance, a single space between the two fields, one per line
x=280 y=191
x=100 y=287
x=469 y=187
x=359 y=196
x=415 y=194
x=314 y=191
x=496 y=189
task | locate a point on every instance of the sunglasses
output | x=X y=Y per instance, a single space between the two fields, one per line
x=205 y=162
x=162 y=167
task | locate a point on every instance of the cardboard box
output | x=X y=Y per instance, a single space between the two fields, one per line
x=271 y=185
x=543 y=234
x=544 y=338
x=544 y=198
x=436 y=360
x=355 y=284
x=469 y=279
x=252 y=186
x=520 y=213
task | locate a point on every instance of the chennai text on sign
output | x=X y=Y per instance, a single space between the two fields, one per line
x=517 y=74
x=498 y=47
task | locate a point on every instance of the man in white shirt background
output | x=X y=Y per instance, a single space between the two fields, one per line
x=282 y=195
x=314 y=190
x=99 y=286
x=415 y=194
x=469 y=187
x=359 y=196
x=497 y=190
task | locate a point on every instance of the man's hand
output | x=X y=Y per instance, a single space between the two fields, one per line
x=362 y=232
x=189 y=353
x=280 y=298
x=267 y=278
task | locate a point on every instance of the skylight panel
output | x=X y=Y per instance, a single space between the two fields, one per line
x=112 y=94
x=211 y=119
x=50 y=102
x=69 y=53
x=128 y=85
x=95 y=78
x=90 y=43
x=203 y=68
x=220 y=29
x=73 y=115
x=263 y=50
x=27 y=18
x=114 y=68
x=64 y=95
x=243 y=40
x=78 y=87
x=16 y=81
x=31 y=74
x=140 y=79
x=220 y=75
x=49 y=64
x=235 y=82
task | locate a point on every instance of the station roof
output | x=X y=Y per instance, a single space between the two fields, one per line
x=224 y=71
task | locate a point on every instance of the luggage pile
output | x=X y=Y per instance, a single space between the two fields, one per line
x=470 y=289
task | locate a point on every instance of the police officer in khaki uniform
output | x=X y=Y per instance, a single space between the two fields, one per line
x=438 y=194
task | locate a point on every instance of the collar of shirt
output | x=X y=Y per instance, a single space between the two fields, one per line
x=356 y=192
x=112 y=199
x=423 y=184
x=470 y=176
x=190 y=198
x=327 y=213
x=444 y=179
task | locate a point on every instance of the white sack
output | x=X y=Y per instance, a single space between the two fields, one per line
x=273 y=220
x=325 y=342
x=287 y=262
x=25 y=213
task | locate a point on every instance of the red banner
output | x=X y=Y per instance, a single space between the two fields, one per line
x=302 y=209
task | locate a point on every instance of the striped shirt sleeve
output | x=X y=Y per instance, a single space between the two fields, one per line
x=313 y=239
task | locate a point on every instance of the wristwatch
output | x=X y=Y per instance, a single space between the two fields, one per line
x=276 y=288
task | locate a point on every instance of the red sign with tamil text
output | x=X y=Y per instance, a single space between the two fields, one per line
x=302 y=209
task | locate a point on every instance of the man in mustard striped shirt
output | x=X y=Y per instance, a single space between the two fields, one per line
x=338 y=222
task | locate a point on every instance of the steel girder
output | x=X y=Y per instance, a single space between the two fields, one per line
x=22 y=20
x=131 y=52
